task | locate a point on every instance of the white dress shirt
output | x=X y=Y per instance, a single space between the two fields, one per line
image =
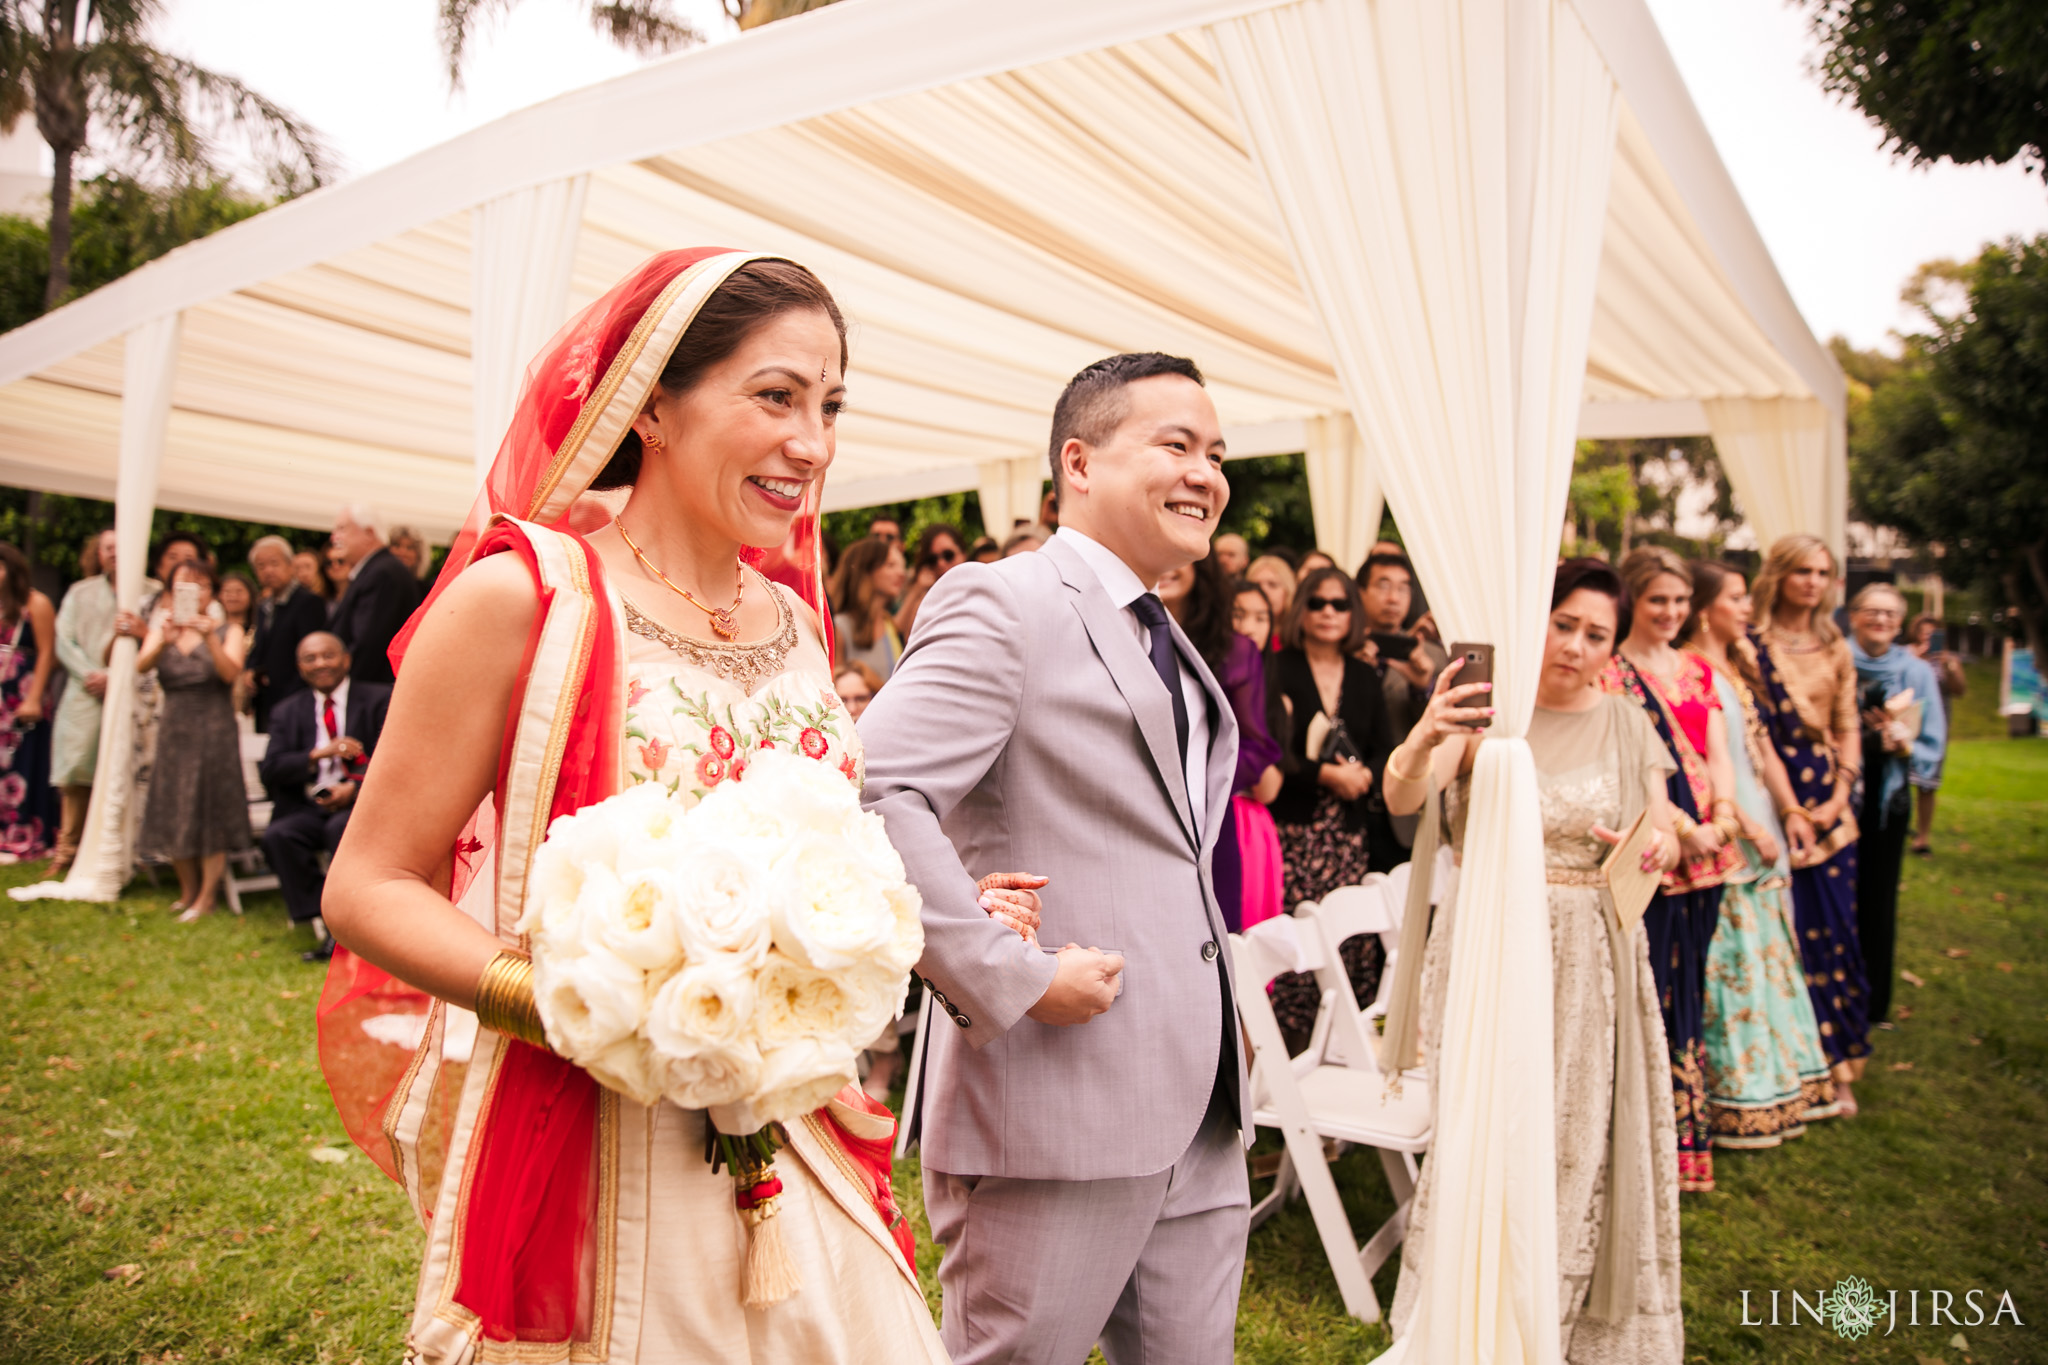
x=331 y=770
x=1125 y=587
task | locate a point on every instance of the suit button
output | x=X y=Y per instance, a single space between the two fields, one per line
x=962 y=1020
x=1209 y=951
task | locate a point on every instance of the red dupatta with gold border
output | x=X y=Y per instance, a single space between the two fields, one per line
x=522 y=1266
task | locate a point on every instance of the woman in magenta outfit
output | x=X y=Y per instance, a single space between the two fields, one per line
x=1676 y=687
x=1201 y=602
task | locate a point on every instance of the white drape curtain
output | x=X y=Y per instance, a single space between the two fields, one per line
x=1786 y=460
x=106 y=852
x=1343 y=489
x=1442 y=167
x=522 y=255
x=1010 y=491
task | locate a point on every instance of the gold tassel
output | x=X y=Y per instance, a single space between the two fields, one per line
x=769 y=1275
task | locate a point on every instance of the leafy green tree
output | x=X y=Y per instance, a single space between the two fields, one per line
x=1961 y=80
x=1951 y=445
x=87 y=71
x=648 y=26
x=1627 y=491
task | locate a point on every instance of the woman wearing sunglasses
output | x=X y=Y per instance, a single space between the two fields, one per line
x=1324 y=702
x=938 y=550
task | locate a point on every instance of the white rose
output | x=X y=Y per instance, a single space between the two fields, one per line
x=574 y=843
x=868 y=835
x=588 y=1002
x=641 y=927
x=721 y=902
x=796 y=1001
x=875 y=995
x=828 y=907
x=906 y=941
x=711 y=1076
x=629 y=1068
x=795 y=1079
x=709 y=1003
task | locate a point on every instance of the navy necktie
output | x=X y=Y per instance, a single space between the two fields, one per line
x=1153 y=614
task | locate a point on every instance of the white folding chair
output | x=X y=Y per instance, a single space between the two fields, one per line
x=1308 y=1099
x=247 y=871
x=913 y=1076
x=1346 y=913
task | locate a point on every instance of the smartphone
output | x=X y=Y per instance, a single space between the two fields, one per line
x=1392 y=646
x=1478 y=669
x=1938 y=642
x=184 y=601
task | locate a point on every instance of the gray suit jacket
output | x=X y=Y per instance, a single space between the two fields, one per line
x=1025 y=730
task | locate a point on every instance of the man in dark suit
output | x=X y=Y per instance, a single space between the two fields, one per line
x=286 y=614
x=321 y=741
x=381 y=594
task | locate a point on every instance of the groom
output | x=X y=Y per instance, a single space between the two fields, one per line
x=1081 y=1110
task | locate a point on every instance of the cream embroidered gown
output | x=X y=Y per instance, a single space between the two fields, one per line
x=1578 y=778
x=695 y=713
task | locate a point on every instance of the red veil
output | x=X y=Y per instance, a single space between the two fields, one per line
x=531 y=1183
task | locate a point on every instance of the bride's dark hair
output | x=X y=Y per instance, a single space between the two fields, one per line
x=750 y=297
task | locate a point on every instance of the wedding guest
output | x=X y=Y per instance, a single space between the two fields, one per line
x=1407 y=666
x=28 y=653
x=871 y=576
x=322 y=738
x=939 y=549
x=85 y=631
x=309 y=567
x=1599 y=764
x=1025 y=539
x=1251 y=615
x=410 y=548
x=856 y=685
x=1246 y=862
x=286 y=613
x=197 y=811
x=1311 y=561
x=1897 y=751
x=1766 y=1073
x=1948 y=670
x=1676 y=690
x=1810 y=681
x=888 y=528
x=1275 y=577
x=334 y=570
x=1329 y=706
x=380 y=596
x=985 y=551
x=1231 y=554
x=237 y=611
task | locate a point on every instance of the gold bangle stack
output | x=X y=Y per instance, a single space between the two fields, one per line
x=1683 y=825
x=504 y=999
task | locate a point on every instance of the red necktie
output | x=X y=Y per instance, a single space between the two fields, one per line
x=327 y=717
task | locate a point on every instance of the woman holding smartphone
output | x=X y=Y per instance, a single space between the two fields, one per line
x=198 y=808
x=1599 y=765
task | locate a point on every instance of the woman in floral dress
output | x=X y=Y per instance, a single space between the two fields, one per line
x=28 y=636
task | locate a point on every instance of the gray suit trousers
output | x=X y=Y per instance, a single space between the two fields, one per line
x=1037 y=1271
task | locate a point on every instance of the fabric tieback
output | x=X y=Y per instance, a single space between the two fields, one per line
x=1152 y=612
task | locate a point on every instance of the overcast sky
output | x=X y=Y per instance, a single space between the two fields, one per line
x=1846 y=223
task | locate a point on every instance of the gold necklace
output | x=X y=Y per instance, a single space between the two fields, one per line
x=724 y=620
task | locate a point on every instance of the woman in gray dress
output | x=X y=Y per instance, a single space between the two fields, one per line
x=198 y=808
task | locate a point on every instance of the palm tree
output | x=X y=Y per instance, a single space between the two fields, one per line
x=87 y=71
x=754 y=13
x=636 y=25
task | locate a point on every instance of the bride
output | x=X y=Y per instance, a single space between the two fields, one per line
x=594 y=639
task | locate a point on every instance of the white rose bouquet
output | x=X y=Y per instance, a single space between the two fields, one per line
x=735 y=956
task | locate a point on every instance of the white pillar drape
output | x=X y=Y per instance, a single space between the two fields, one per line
x=1786 y=460
x=522 y=254
x=1441 y=168
x=1010 y=492
x=106 y=852
x=1344 y=492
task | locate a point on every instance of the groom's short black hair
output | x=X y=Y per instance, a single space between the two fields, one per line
x=1093 y=404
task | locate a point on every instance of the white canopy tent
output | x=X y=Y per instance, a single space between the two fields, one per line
x=1426 y=242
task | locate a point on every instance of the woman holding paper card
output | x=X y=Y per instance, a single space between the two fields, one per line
x=1809 y=681
x=1599 y=767
x=1766 y=1073
x=1904 y=731
x=1675 y=688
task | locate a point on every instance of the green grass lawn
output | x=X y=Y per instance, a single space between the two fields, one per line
x=159 y=1104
